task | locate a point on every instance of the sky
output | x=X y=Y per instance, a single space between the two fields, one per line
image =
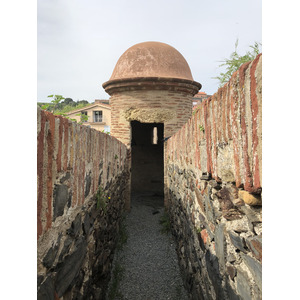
x=79 y=42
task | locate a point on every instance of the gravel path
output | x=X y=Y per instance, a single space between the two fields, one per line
x=148 y=261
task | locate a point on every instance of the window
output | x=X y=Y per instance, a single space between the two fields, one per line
x=97 y=116
x=154 y=136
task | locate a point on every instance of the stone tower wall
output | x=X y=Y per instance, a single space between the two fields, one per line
x=149 y=106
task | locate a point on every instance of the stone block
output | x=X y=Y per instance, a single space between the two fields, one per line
x=231 y=293
x=252 y=215
x=50 y=256
x=75 y=226
x=240 y=225
x=257 y=294
x=237 y=241
x=219 y=243
x=60 y=196
x=200 y=199
x=46 y=290
x=255 y=269
x=255 y=245
x=250 y=199
x=231 y=271
x=88 y=182
x=228 y=192
x=86 y=224
x=243 y=287
x=209 y=209
x=213 y=270
x=232 y=214
x=225 y=197
x=40 y=279
x=257 y=228
x=67 y=245
x=70 y=267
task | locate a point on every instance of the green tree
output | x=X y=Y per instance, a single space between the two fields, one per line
x=69 y=101
x=233 y=63
x=61 y=108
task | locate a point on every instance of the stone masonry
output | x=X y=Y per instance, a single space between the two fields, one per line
x=82 y=178
x=213 y=191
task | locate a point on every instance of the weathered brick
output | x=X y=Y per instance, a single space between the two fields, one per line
x=75 y=146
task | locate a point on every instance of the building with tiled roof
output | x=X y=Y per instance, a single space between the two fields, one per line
x=98 y=115
x=198 y=98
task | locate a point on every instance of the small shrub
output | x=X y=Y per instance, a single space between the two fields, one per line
x=164 y=221
x=201 y=128
x=101 y=198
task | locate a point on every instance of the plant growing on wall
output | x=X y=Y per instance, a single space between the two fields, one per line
x=201 y=128
x=102 y=199
x=55 y=101
x=233 y=63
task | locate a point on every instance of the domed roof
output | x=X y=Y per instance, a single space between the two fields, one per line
x=151 y=59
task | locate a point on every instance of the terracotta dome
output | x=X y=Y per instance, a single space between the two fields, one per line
x=151 y=59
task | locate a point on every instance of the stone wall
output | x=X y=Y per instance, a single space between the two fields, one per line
x=82 y=177
x=173 y=108
x=213 y=190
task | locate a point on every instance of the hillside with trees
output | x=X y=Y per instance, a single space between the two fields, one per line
x=60 y=105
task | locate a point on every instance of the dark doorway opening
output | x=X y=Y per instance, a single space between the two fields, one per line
x=147 y=162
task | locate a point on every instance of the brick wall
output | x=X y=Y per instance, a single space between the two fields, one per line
x=77 y=228
x=213 y=190
x=172 y=108
x=225 y=134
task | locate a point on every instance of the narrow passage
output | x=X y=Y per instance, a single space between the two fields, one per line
x=148 y=261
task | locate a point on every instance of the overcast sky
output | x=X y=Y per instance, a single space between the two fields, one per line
x=79 y=42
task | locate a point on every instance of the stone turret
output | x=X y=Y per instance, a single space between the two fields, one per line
x=151 y=91
x=151 y=83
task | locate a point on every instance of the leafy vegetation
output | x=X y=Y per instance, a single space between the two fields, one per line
x=55 y=101
x=83 y=118
x=60 y=105
x=233 y=63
